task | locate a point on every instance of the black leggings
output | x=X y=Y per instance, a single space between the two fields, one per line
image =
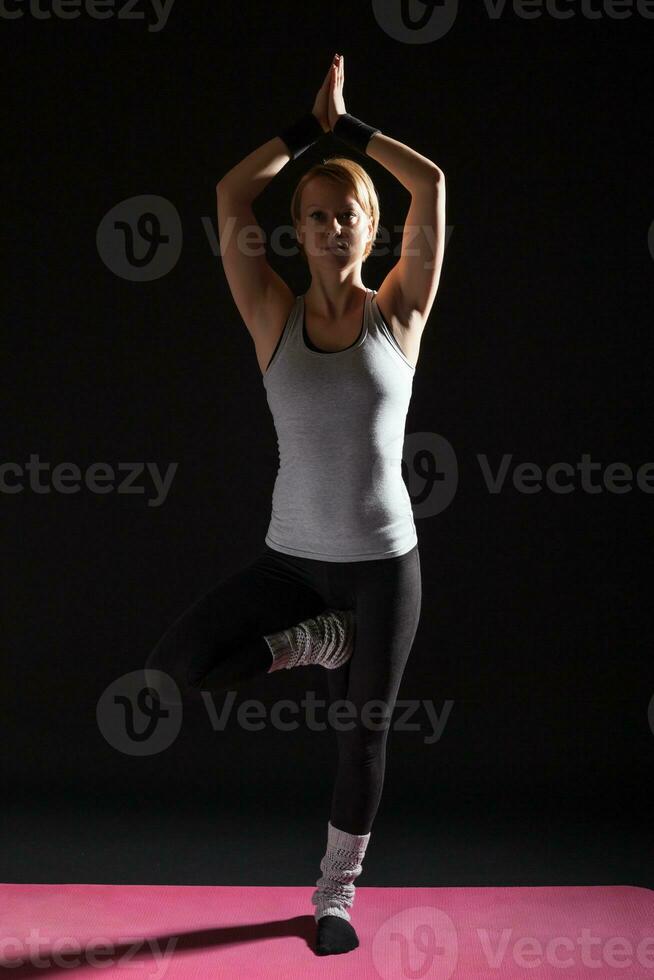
x=219 y=641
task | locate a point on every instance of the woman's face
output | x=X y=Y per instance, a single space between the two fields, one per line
x=333 y=225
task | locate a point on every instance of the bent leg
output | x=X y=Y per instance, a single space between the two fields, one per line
x=219 y=641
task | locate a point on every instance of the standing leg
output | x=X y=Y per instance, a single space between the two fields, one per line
x=388 y=603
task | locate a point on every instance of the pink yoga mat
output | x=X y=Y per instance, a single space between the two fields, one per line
x=243 y=933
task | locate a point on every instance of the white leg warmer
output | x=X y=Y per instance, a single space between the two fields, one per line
x=327 y=639
x=342 y=863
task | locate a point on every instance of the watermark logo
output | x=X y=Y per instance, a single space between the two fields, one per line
x=282 y=241
x=430 y=468
x=156 y=12
x=415 y=21
x=431 y=472
x=562 y=952
x=140 y=239
x=140 y=713
x=564 y=477
x=426 y=21
x=417 y=942
x=423 y=941
x=133 y=719
x=68 y=953
x=98 y=478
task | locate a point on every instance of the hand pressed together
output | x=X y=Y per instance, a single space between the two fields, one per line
x=329 y=103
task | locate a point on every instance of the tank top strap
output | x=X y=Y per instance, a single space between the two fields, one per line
x=287 y=340
x=382 y=331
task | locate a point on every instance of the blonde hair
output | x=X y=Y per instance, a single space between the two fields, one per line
x=351 y=175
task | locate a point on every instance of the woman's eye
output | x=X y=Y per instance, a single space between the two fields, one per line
x=351 y=214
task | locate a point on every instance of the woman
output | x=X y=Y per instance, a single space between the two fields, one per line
x=338 y=582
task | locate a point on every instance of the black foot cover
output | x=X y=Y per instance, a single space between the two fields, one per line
x=335 y=935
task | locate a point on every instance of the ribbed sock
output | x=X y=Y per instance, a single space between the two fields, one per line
x=326 y=639
x=334 y=894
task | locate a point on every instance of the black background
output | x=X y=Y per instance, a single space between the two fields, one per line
x=536 y=607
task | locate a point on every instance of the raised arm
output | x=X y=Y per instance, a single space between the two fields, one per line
x=245 y=181
x=411 y=285
x=255 y=286
x=409 y=289
x=262 y=297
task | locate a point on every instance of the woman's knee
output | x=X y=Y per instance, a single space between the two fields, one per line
x=364 y=746
x=166 y=677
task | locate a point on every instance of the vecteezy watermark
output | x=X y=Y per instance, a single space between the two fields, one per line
x=426 y=21
x=251 y=240
x=563 y=477
x=140 y=713
x=96 y=9
x=140 y=239
x=424 y=941
x=98 y=478
x=431 y=471
x=67 y=952
x=564 y=952
x=430 y=468
x=341 y=715
x=421 y=941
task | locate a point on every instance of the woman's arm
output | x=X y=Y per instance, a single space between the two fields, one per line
x=411 y=169
x=409 y=289
x=261 y=295
x=247 y=179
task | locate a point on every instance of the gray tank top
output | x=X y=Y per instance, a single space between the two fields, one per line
x=340 y=417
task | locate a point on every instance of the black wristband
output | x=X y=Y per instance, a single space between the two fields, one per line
x=351 y=130
x=301 y=134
